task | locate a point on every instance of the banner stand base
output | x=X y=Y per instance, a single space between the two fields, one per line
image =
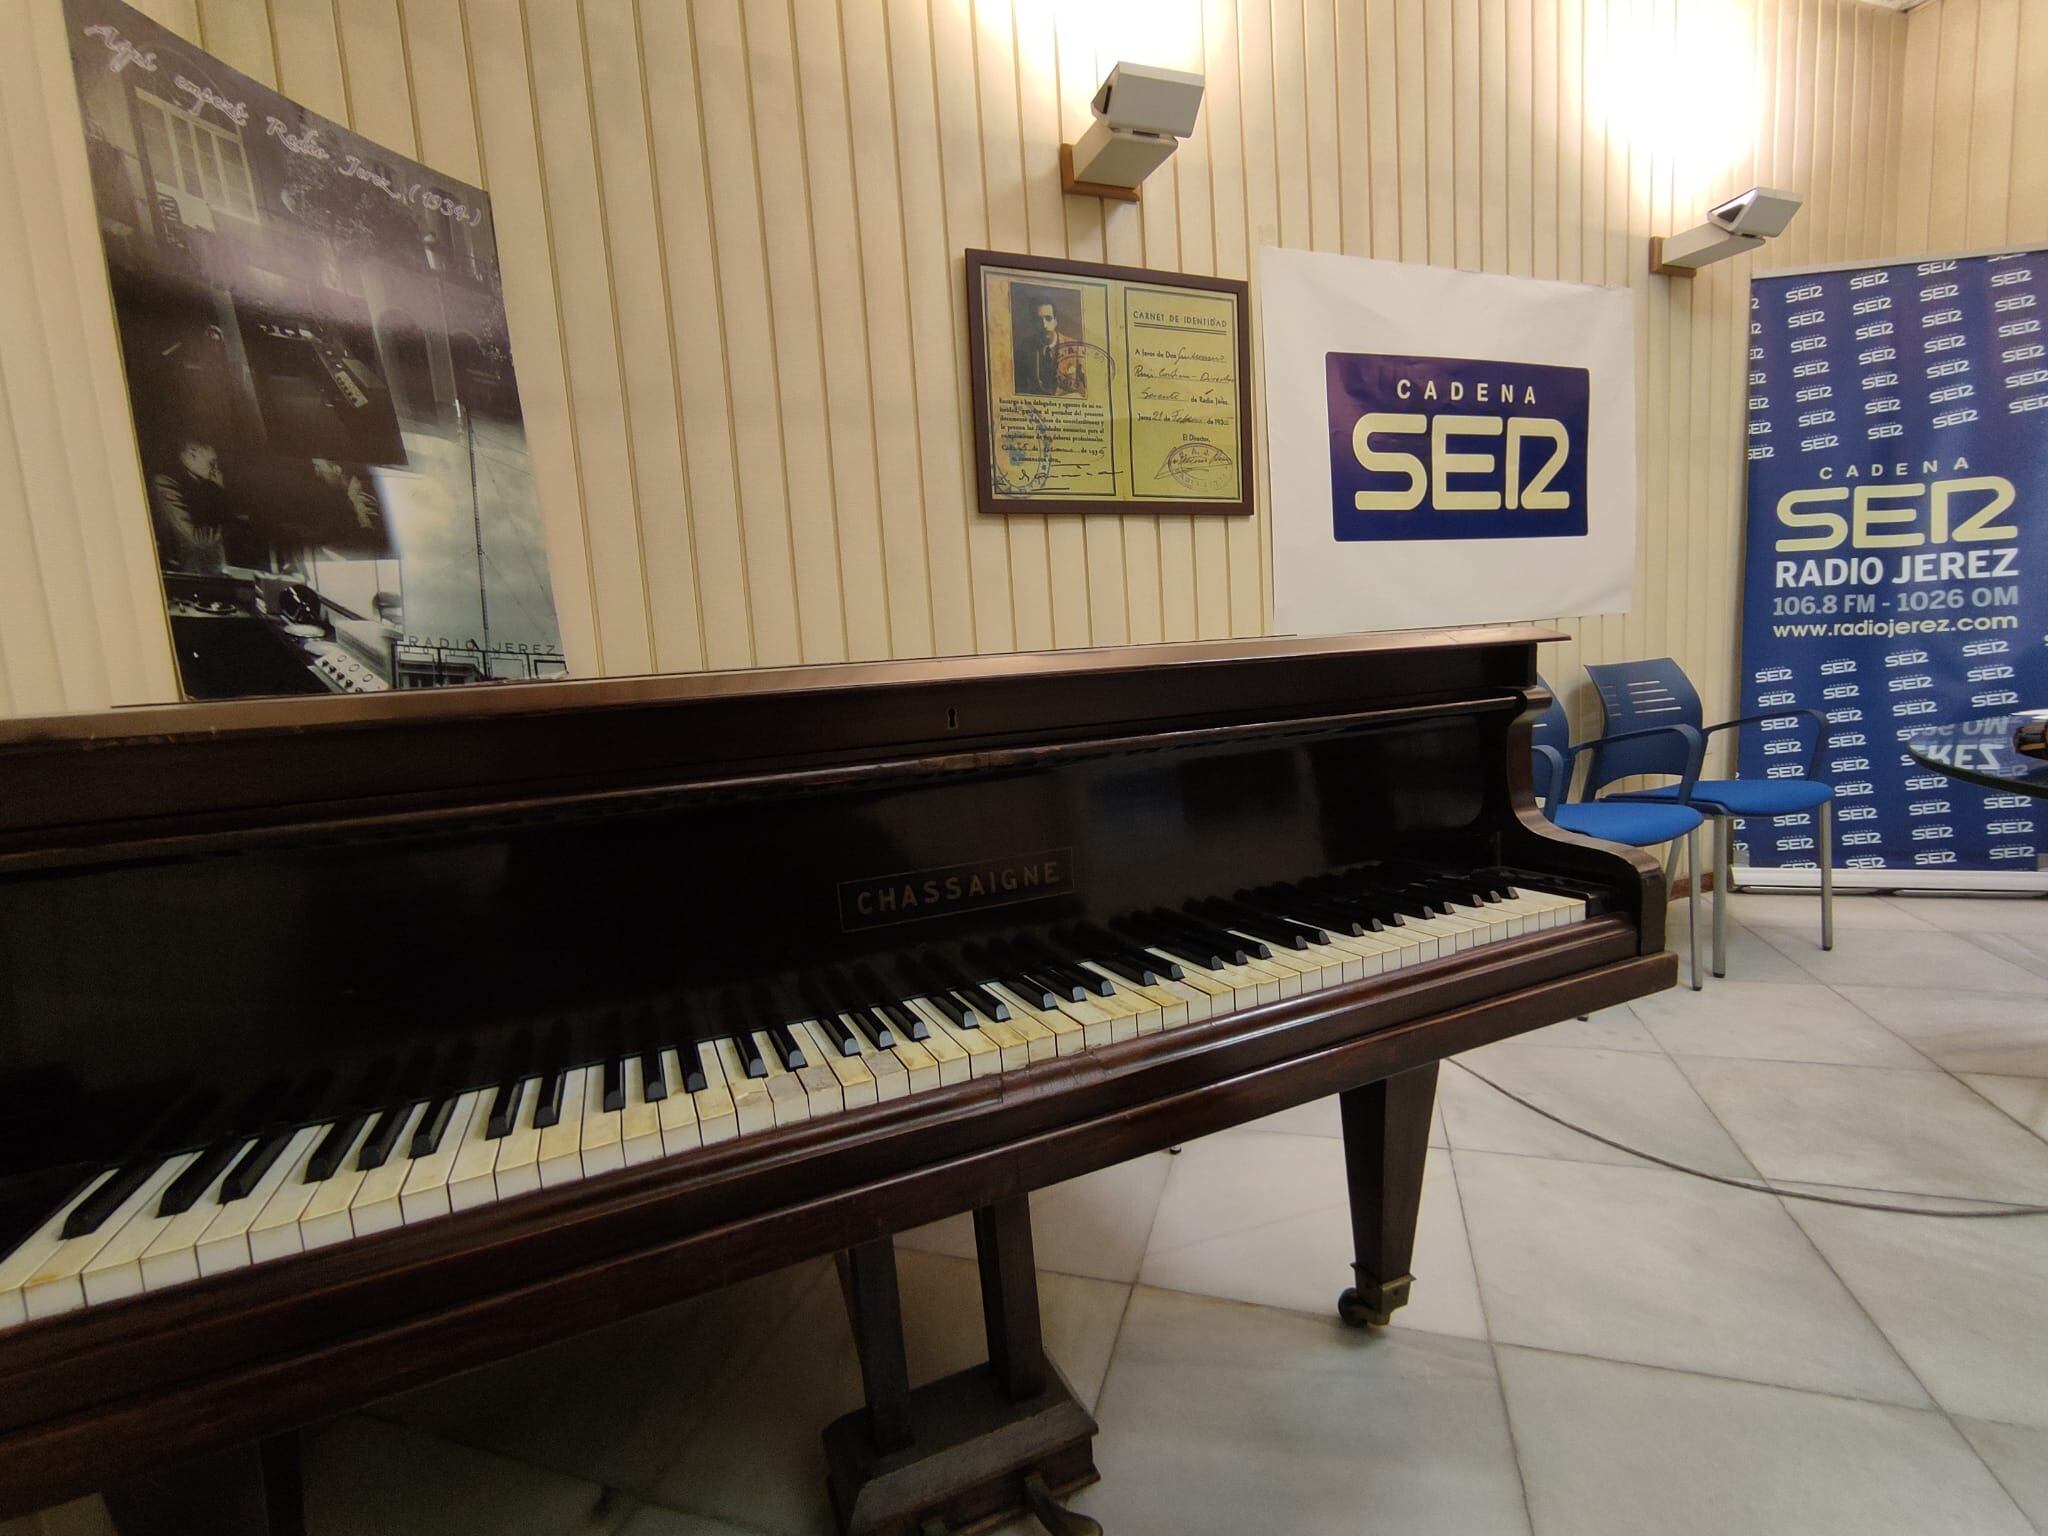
x=1941 y=882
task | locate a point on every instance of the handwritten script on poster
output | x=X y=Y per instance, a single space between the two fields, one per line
x=1107 y=388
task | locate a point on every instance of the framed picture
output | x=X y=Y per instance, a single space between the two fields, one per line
x=1107 y=389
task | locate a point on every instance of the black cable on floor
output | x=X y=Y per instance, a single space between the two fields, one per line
x=1754 y=1188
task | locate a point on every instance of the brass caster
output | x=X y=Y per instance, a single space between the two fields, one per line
x=1353 y=1309
x=1053 y=1515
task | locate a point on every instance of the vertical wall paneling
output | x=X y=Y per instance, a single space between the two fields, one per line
x=732 y=231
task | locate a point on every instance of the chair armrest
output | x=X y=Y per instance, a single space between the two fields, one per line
x=1820 y=730
x=1695 y=751
x=1550 y=778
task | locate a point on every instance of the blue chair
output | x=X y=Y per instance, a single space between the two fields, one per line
x=1636 y=694
x=1638 y=823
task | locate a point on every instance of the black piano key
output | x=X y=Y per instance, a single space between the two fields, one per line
x=96 y=1207
x=653 y=1076
x=334 y=1147
x=874 y=1026
x=1234 y=949
x=1139 y=972
x=695 y=1078
x=383 y=1138
x=426 y=1137
x=846 y=1040
x=504 y=1110
x=984 y=1002
x=614 y=1085
x=1250 y=946
x=787 y=1046
x=1325 y=915
x=547 y=1098
x=1101 y=946
x=198 y=1177
x=1063 y=965
x=750 y=1053
x=957 y=1013
x=1236 y=919
x=259 y=1158
x=908 y=1021
x=1205 y=957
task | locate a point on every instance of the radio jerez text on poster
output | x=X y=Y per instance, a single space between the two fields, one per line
x=1896 y=464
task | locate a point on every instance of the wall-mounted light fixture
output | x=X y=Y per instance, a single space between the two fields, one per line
x=1142 y=113
x=1740 y=224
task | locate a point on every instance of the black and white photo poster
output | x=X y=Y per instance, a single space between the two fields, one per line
x=320 y=372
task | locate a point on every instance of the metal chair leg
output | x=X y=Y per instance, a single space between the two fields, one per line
x=1692 y=899
x=1724 y=867
x=1671 y=868
x=1827 y=874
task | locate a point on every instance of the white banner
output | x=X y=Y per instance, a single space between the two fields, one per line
x=1447 y=447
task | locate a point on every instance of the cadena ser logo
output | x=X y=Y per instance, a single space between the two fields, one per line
x=1425 y=448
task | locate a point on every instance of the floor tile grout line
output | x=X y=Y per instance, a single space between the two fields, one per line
x=1500 y=1385
x=1940 y=1407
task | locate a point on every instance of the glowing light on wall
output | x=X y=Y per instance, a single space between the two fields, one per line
x=1679 y=82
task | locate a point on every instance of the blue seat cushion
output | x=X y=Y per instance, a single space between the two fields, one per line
x=1746 y=797
x=1639 y=823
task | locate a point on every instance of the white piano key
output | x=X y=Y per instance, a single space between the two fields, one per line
x=275 y=1231
x=58 y=1283
x=471 y=1177
x=950 y=1055
x=1053 y=1032
x=225 y=1244
x=1171 y=1006
x=375 y=1207
x=750 y=1101
x=717 y=1115
x=918 y=1063
x=640 y=1121
x=27 y=1256
x=116 y=1270
x=517 y=1169
x=603 y=1135
x=983 y=1057
x=892 y=1078
x=561 y=1144
x=425 y=1193
x=676 y=1116
x=326 y=1217
x=173 y=1259
x=1221 y=995
x=786 y=1096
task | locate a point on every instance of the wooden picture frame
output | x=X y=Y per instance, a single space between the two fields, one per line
x=1057 y=428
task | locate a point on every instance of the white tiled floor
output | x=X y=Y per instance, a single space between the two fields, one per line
x=1596 y=1344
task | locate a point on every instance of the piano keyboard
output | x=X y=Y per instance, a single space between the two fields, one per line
x=160 y=1222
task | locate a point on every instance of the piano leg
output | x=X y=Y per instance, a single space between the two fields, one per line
x=995 y=1440
x=254 y=1490
x=1386 y=1139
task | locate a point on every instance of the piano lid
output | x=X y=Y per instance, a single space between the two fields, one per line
x=87 y=779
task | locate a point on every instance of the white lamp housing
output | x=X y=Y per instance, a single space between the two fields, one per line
x=1141 y=114
x=1741 y=224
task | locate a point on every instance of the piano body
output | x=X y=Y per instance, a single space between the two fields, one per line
x=349 y=1043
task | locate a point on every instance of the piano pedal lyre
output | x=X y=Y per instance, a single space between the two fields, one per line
x=973 y=1449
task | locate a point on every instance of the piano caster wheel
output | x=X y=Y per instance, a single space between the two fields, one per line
x=1352 y=1309
x=1173 y=1151
x=1053 y=1515
x=1373 y=1305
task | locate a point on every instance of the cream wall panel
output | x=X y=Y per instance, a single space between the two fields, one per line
x=732 y=234
x=1973 y=110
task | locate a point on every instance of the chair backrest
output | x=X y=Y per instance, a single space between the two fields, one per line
x=1551 y=737
x=1635 y=696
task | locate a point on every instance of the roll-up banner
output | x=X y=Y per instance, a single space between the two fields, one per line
x=1898 y=488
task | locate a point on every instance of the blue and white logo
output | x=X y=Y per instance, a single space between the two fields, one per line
x=1425 y=448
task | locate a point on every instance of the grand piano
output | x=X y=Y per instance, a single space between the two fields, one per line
x=349 y=1043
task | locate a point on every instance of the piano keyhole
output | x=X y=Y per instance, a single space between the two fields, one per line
x=952 y=719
